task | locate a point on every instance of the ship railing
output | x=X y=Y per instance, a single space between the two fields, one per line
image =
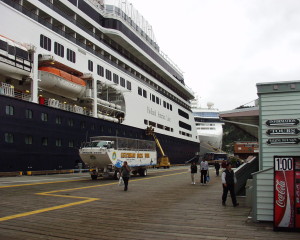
x=67 y=107
x=7 y=89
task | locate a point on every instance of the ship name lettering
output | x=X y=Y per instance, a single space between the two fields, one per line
x=151 y=111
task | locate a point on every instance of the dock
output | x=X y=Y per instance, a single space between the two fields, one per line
x=162 y=205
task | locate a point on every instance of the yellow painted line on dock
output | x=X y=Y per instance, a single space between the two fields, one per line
x=41 y=183
x=87 y=199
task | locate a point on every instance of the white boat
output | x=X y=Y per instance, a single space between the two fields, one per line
x=209 y=127
x=107 y=154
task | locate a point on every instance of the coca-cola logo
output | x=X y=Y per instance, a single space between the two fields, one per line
x=281 y=190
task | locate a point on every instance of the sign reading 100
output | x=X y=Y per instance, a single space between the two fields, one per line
x=284 y=164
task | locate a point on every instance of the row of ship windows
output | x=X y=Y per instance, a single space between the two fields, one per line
x=59 y=49
x=155 y=99
x=185 y=134
x=28 y=140
x=9 y=110
x=154 y=124
x=160 y=126
x=207 y=128
x=45 y=43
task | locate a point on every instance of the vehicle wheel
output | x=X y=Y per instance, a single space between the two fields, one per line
x=94 y=177
x=134 y=173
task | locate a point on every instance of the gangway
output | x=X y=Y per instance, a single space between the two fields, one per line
x=163 y=161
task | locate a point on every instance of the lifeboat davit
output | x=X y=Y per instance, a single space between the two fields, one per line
x=61 y=83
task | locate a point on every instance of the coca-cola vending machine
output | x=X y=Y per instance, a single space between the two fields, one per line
x=287 y=193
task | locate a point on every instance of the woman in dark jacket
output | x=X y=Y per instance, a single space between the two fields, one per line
x=193 y=172
x=125 y=174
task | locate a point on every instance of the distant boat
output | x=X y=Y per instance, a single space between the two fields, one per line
x=209 y=127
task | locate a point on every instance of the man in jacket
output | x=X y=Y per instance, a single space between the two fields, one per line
x=228 y=181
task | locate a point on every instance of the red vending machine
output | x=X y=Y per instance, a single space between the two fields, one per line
x=287 y=193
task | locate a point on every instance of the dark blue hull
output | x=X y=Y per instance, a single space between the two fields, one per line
x=29 y=143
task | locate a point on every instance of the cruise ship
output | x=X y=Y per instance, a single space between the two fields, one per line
x=209 y=127
x=74 y=69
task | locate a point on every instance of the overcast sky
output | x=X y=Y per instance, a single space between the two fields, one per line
x=225 y=47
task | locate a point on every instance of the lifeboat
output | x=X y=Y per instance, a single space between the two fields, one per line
x=61 y=83
x=14 y=59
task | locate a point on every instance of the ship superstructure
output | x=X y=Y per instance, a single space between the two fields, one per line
x=209 y=127
x=72 y=69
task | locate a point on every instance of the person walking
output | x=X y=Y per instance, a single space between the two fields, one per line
x=204 y=169
x=228 y=182
x=125 y=174
x=193 y=171
x=217 y=167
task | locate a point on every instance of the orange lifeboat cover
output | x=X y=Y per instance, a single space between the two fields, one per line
x=64 y=75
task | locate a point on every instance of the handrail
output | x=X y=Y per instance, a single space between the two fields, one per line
x=244 y=172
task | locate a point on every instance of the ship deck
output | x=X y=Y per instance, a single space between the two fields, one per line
x=162 y=205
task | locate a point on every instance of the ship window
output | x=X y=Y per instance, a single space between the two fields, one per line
x=71 y=122
x=183 y=114
x=44 y=117
x=128 y=85
x=90 y=65
x=168 y=106
x=58 y=142
x=45 y=42
x=145 y=121
x=11 y=50
x=185 y=126
x=157 y=100
x=122 y=82
x=44 y=141
x=160 y=126
x=28 y=140
x=153 y=98
x=71 y=143
x=152 y=124
x=28 y=114
x=144 y=93
x=59 y=49
x=164 y=103
x=171 y=107
x=21 y=53
x=71 y=56
x=116 y=78
x=167 y=128
x=3 y=45
x=100 y=70
x=108 y=74
x=58 y=120
x=9 y=110
x=9 y=137
x=140 y=91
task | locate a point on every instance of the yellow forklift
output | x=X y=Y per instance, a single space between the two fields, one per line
x=163 y=161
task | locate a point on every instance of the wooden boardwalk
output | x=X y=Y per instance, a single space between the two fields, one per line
x=163 y=205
